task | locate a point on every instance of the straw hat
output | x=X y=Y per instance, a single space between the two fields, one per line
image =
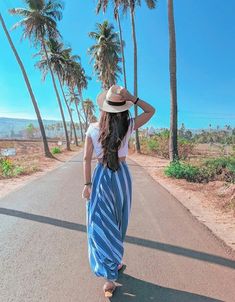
x=112 y=101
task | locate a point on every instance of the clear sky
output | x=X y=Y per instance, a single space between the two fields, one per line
x=205 y=32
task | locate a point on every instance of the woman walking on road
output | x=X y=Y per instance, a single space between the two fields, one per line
x=108 y=189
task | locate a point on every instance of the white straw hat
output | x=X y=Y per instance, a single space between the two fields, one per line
x=112 y=101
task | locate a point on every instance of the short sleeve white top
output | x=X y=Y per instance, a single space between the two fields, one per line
x=93 y=132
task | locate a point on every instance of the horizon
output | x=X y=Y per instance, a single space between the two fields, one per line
x=142 y=127
x=208 y=58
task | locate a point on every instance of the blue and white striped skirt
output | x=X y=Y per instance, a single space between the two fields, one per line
x=107 y=215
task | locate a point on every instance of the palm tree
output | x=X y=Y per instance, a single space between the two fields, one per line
x=103 y=4
x=73 y=97
x=131 y=6
x=173 y=148
x=117 y=17
x=35 y=105
x=39 y=23
x=105 y=53
x=89 y=108
x=82 y=83
x=58 y=58
x=76 y=77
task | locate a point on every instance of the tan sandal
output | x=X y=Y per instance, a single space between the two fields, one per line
x=108 y=291
x=120 y=266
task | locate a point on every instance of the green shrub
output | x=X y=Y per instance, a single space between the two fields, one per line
x=213 y=169
x=55 y=150
x=18 y=170
x=152 y=144
x=189 y=172
x=217 y=163
x=9 y=169
x=222 y=168
x=155 y=145
x=6 y=166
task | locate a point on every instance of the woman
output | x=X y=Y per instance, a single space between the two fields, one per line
x=109 y=189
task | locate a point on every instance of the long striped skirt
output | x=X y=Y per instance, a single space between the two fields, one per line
x=107 y=215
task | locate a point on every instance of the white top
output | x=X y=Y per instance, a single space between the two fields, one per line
x=93 y=132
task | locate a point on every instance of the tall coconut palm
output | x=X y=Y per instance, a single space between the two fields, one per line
x=70 y=112
x=130 y=5
x=76 y=77
x=58 y=57
x=89 y=108
x=82 y=83
x=39 y=23
x=103 y=4
x=105 y=53
x=117 y=17
x=173 y=148
x=35 y=105
x=73 y=97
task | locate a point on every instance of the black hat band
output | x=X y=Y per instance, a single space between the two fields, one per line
x=116 y=103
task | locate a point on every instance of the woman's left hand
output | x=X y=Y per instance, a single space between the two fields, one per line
x=86 y=192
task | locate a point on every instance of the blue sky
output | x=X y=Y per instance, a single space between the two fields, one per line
x=205 y=32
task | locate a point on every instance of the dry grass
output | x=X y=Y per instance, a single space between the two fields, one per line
x=30 y=155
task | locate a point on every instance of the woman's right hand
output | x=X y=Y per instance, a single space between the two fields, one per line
x=86 y=192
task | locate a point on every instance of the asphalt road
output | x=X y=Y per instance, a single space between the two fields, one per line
x=169 y=255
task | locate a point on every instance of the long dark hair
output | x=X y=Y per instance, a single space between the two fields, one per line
x=113 y=127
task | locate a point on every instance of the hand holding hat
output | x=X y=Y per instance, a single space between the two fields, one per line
x=126 y=95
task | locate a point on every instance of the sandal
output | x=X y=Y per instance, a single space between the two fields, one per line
x=120 y=266
x=108 y=291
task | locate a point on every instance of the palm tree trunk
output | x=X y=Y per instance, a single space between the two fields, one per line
x=135 y=77
x=173 y=148
x=41 y=126
x=71 y=132
x=122 y=49
x=57 y=95
x=70 y=114
x=80 y=121
x=84 y=111
x=82 y=117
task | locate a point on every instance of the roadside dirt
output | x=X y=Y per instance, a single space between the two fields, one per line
x=208 y=202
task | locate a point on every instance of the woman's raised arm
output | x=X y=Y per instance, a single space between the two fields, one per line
x=144 y=117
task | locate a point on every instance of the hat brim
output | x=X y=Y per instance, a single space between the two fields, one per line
x=110 y=108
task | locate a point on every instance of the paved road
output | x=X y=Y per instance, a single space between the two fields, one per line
x=169 y=255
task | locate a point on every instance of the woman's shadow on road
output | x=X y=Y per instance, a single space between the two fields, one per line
x=130 y=289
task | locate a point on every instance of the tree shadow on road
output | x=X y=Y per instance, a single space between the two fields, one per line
x=131 y=289
x=161 y=246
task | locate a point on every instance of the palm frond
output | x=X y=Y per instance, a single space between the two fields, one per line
x=105 y=53
x=20 y=11
x=151 y=3
x=40 y=19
